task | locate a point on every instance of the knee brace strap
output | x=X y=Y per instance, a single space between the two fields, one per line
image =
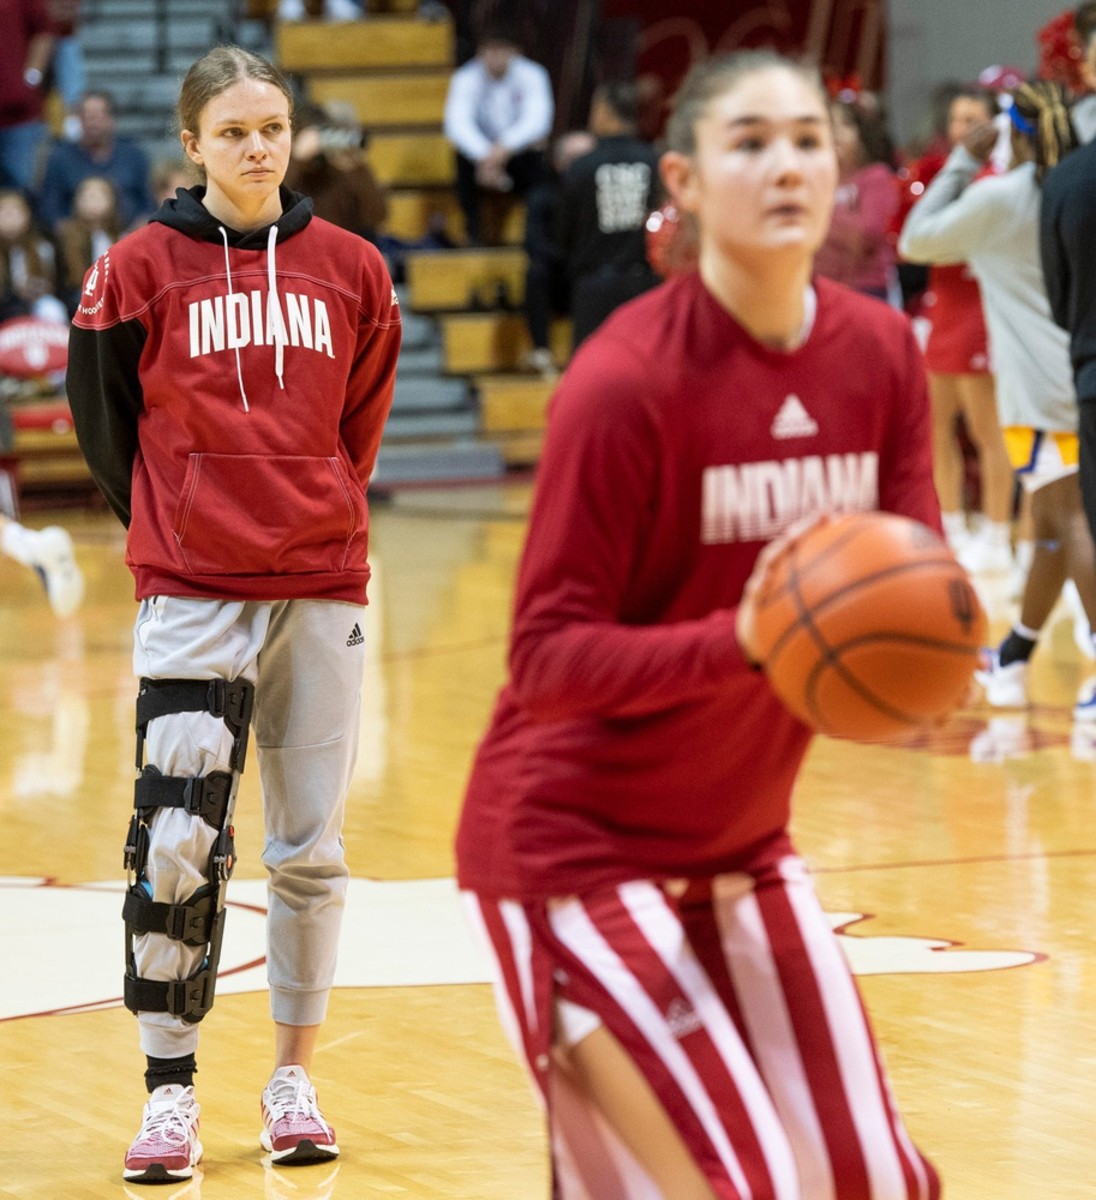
x=189 y=999
x=190 y=922
x=205 y=796
x=230 y=699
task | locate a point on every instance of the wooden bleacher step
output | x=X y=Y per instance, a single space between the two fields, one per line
x=381 y=101
x=512 y=414
x=493 y=341
x=447 y=280
x=376 y=42
x=412 y=159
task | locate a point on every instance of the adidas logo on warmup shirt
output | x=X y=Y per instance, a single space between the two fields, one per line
x=355 y=638
x=793 y=420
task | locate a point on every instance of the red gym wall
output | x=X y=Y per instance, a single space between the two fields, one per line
x=844 y=37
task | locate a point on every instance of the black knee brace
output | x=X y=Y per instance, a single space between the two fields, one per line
x=199 y=920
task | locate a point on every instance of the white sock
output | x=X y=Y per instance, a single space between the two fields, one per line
x=997 y=533
x=955 y=525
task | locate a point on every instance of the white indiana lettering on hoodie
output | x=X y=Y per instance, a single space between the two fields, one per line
x=755 y=501
x=243 y=319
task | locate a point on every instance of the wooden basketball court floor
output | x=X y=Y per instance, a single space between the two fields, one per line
x=961 y=871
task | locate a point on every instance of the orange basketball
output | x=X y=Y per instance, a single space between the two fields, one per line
x=868 y=627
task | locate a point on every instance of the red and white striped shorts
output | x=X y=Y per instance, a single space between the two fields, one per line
x=734 y=999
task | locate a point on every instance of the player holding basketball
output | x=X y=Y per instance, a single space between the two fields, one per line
x=663 y=964
x=231 y=368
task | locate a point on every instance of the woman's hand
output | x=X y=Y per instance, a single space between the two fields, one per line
x=981 y=139
x=746 y=616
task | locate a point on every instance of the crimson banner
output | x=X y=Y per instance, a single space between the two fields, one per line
x=845 y=38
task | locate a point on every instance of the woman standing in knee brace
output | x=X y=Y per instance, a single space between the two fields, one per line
x=231 y=369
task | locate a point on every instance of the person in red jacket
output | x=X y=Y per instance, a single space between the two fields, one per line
x=231 y=368
x=662 y=962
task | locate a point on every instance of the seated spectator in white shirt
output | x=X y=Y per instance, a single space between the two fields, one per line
x=498 y=114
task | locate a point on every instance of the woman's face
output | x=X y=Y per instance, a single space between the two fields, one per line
x=14 y=218
x=243 y=142
x=846 y=139
x=94 y=200
x=762 y=178
x=964 y=113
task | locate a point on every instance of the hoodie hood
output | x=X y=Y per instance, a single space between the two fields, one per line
x=188 y=215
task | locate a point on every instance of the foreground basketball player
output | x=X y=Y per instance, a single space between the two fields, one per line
x=663 y=964
x=230 y=372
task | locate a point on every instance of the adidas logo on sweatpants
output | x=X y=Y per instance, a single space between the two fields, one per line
x=355 y=638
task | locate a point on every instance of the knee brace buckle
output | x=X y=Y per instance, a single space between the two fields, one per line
x=190 y=922
x=189 y=999
x=205 y=796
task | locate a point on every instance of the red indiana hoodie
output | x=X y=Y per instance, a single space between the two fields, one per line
x=229 y=391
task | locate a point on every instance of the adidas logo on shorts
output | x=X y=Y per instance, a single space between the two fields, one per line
x=355 y=638
x=682 y=1018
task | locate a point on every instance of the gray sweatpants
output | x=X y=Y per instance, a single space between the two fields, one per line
x=305 y=658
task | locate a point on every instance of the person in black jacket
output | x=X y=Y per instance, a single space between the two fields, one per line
x=547 y=288
x=606 y=198
x=1067 y=221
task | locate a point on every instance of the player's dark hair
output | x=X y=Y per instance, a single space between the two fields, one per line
x=1044 y=107
x=871 y=130
x=101 y=94
x=713 y=77
x=1084 y=21
x=622 y=97
x=973 y=92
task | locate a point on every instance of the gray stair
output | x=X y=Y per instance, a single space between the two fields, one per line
x=460 y=459
x=97 y=11
x=402 y=426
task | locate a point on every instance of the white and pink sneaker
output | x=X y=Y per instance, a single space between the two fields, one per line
x=167 y=1146
x=294 y=1130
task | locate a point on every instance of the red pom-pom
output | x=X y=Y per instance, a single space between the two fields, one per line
x=1061 y=52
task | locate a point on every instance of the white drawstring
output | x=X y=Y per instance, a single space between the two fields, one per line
x=228 y=276
x=275 y=323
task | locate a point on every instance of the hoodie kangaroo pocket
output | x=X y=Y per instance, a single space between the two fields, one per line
x=267 y=514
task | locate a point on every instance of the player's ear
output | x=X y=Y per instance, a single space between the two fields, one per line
x=190 y=146
x=679 y=178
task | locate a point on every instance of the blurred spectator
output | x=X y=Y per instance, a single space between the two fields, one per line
x=961 y=388
x=82 y=238
x=498 y=114
x=27 y=38
x=99 y=151
x=859 y=251
x=332 y=10
x=69 y=74
x=547 y=288
x=605 y=200
x=167 y=176
x=28 y=269
x=327 y=164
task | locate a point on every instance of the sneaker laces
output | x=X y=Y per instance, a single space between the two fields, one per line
x=292 y=1096
x=165 y=1119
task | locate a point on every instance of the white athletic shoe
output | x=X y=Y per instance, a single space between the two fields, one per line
x=1005 y=687
x=1082 y=634
x=54 y=560
x=167 y=1146
x=294 y=1129
x=1085 y=708
x=986 y=556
